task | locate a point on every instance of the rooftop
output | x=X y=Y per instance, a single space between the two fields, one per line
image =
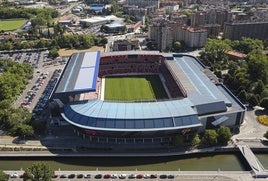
x=80 y=74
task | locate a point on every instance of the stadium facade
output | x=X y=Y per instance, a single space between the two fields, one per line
x=197 y=100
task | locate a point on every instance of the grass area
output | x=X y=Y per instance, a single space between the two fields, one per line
x=130 y=88
x=68 y=52
x=11 y=24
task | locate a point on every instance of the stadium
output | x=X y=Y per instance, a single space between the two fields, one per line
x=143 y=97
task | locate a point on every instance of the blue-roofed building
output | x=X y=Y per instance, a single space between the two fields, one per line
x=197 y=100
x=97 y=7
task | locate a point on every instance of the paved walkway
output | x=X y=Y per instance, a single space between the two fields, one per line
x=253 y=161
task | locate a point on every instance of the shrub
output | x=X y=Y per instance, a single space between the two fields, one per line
x=263 y=119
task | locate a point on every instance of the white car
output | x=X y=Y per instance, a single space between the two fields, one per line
x=146 y=176
x=114 y=176
x=15 y=175
x=122 y=176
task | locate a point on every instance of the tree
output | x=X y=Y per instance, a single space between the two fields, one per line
x=215 y=51
x=177 y=46
x=22 y=130
x=39 y=172
x=246 y=45
x=259 y=87
x=224 y=134
x=196 y=140
x=258 y=66
x=53 y=53
x=3 y=176
x=253 y=100
x=210 y=137
x=266 y=134
x=264 y=103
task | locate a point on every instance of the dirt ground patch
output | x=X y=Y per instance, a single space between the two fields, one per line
x=68 y=52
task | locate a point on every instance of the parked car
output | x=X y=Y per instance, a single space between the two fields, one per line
x=131 y=176
x=114 y=176
x=98 y=176
x=80 y=176
x=163 y=176
x=170 y=176
x=63 y=176
x=122 y=176
x=147 y=176
x=107 y=176
x=153 y=176
x=87 y=176
x=139 y=176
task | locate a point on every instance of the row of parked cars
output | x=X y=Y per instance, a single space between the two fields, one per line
x=33 y=91
x=42 y=102
x=115 y=176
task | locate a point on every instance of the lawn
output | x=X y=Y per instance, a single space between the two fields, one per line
x=11 y=24
x=68 y=52
x=132 y=88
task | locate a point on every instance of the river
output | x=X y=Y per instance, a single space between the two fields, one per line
x=200 y=162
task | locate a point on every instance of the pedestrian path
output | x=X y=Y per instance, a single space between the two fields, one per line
x=254 y=163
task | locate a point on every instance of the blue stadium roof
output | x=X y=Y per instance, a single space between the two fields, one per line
x=81 y=73
x=132 y=116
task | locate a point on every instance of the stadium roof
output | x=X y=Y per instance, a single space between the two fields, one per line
x=81 y=73
x=132 y=116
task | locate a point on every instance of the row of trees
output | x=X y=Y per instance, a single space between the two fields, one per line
x=210 y=137
x=61 y=41
x=248 y=78
x=13 y=80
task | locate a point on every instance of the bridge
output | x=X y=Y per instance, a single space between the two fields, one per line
x=258 y=170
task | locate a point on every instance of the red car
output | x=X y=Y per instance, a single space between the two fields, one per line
x=107 y=176
x=139 y=176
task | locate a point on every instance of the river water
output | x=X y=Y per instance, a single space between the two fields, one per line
x=200 y=162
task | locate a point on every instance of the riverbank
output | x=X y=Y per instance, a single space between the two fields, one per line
x=35 y=148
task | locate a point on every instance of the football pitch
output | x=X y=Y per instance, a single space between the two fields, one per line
x=11 y=24
x=134 y=88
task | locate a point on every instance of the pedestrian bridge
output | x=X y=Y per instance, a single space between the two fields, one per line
x=256 y=166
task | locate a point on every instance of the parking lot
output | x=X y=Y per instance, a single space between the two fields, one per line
x=46 y=74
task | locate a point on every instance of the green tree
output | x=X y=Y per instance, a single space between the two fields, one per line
x=3 y=176
x=253 y=100
x=177 y=46
x=22 y=130
x=196 y=140
x=258 y=66
x=39 y=172
x=264 y=103
x=259 y=88
x=210 y=137
x=224 y=134
x=53 y=53
x=247 y=45
x=215 y=51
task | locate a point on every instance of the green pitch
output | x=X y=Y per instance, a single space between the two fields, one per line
x=11 y=24
x=131 y=88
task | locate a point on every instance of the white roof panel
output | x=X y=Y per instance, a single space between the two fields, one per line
x=85 y=78
x=89 y=59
